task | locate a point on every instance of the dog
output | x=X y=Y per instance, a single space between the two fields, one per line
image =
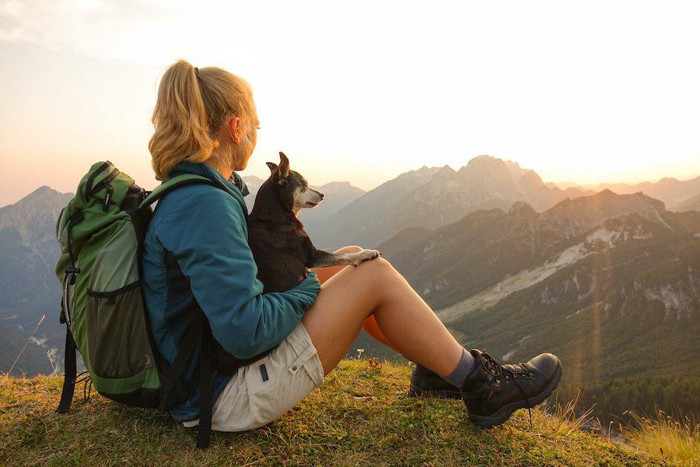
x=281 y=248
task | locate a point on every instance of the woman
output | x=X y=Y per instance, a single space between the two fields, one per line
x=197 y=257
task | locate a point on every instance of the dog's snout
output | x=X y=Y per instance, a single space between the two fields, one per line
x=320 y=194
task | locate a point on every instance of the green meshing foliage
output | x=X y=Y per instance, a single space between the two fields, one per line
x=361 y=415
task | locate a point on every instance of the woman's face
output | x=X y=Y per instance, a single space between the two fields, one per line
x=250 y=139
x=240 y=135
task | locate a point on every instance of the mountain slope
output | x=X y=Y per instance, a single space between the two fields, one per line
x=600 y=281
x=33 y=359
x=692 y=204
x=28 y=254
x=337 y=195
x=441 y=265
x=433 y=197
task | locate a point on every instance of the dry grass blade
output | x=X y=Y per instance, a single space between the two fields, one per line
x=666 y=438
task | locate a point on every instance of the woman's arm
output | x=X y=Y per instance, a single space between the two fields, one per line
x=206 y=232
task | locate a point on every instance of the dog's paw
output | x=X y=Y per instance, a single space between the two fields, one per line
x=364 y=255
x=370 y=254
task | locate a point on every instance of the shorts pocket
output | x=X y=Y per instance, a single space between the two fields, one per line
x=264 y=392
x=277 y=382
x=309 y=361
x=260 y=377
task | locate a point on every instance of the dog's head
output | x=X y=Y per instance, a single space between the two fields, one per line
x=292 y=187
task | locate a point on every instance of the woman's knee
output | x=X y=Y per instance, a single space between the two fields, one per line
x=379 y=270
x=349 y=249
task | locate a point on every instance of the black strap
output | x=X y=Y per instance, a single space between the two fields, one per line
x=192 y=181
x=171 y=387
x=205 y=387
x=69 y=376
x=72 y=270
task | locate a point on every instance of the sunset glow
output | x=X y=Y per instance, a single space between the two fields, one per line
x=586 y=92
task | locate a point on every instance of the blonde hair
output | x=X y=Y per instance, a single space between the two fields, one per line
x=192 y=105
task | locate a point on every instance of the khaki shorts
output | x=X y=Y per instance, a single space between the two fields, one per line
x=262 y=391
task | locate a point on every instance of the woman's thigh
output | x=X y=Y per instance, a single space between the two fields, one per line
x=346 y=300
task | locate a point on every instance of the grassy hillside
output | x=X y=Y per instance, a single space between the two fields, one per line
x=361 y=415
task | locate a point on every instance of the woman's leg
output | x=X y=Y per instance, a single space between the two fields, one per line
x=375 y=288
x=370 y=325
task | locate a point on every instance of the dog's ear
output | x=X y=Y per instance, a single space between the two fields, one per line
x=283 y=168
x=272 y=166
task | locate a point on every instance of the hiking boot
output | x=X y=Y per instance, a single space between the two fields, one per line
x=425 y=382
x=492 y=392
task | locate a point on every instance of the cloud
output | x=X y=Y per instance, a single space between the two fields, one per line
x=132 y=30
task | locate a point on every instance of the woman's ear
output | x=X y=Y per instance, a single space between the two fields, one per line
x=235 y=130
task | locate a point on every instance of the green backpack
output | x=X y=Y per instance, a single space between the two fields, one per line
x=101 y=233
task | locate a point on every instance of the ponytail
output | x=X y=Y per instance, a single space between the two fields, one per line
x=191 y=107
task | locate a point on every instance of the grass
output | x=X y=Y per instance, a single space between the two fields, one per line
x=360 y=416
x=667 y=438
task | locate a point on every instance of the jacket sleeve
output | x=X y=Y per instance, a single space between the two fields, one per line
x=207 y=234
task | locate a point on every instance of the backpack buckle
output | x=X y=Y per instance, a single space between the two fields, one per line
x=72 y=271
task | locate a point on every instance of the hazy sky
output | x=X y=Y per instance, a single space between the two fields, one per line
x=361 y=91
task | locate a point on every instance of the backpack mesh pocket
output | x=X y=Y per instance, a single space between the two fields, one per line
x=118 y=344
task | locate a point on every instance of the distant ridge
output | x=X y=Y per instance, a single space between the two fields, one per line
x=435 y=196
x=671 y=191
x=29 y=289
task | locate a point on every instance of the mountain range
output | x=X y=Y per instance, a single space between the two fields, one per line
x=433 y=224
x=437 y=196
x=609 y=283
x=431 y=197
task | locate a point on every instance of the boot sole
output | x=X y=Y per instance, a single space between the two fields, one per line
x=502 y=416
x=415 y=391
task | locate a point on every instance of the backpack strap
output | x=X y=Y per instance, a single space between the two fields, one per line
x=70 y=373
x=173 y=184
x=173 y=390
x=206 y=371
x=69 y=355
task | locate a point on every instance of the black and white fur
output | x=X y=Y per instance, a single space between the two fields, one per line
x=282 y=249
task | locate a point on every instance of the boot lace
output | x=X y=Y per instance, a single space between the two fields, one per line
x=512 y=372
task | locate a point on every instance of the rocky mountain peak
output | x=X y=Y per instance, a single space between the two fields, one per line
x=444 y=173
x=487 y=170
x=41 y=196
x=28 y=215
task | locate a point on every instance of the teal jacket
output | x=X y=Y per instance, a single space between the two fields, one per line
x=196 y=253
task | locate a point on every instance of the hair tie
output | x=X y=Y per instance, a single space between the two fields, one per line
x=196 y=72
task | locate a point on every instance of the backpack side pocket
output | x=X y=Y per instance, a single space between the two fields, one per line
x=117 y=336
